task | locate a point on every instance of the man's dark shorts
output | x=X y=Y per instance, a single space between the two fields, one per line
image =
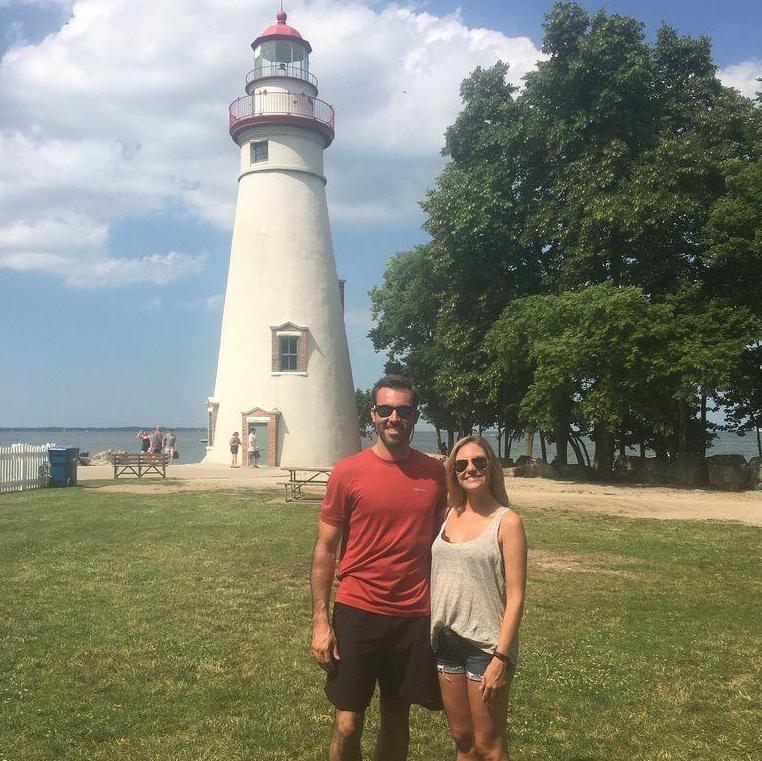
x=394 y=651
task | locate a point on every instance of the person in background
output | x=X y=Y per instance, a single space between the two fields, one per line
x=170 y=440
x=156 y=441
x=235 y=443
x=145 y=440
x=253 y=449
x=478 y=578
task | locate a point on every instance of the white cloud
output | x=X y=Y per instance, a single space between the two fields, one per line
x=54 y=232
x=74 y=247
x=123 y=112
x=205 y=303
x=743 y=76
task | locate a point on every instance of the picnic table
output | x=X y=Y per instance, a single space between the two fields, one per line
x=305 y=484
x=140 y=464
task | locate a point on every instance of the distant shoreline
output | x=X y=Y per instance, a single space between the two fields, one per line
x=98 y=428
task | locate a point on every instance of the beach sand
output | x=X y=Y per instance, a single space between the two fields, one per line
x=633 y=501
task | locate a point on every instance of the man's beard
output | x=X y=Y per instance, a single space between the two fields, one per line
x=400 y=442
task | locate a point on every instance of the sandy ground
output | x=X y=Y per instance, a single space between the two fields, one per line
x=632 y=501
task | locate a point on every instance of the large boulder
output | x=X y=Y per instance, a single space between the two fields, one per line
x=105 y=457
x=629 y=467
x=687 y=471
x=729 y=471
x=545 y=470
x=532 y=468
x=574 y=472
x=755 y=468
x=654 y=471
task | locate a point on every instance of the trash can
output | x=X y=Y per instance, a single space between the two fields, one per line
x=63 y=466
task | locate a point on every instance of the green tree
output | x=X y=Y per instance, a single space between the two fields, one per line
x=743 y=401
x=405 y=309
x=363 y=402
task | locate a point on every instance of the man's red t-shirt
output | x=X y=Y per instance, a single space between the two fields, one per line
x=390 y=512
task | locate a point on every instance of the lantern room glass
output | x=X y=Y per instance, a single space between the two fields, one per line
x=281 y=58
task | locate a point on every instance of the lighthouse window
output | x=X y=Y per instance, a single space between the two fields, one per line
x=259 y=151
x=289 y=353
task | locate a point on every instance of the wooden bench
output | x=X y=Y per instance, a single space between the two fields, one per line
x=140 y=464
x=305 y=484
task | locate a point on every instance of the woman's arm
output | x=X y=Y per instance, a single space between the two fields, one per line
x=513 y=545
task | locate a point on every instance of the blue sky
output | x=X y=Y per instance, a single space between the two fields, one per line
x=118 y=177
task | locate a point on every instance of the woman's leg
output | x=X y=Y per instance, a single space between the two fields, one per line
x=489 y=722
x=456 y=705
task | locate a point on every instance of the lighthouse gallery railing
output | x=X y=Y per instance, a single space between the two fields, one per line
x=282 y=104
x=281 y=70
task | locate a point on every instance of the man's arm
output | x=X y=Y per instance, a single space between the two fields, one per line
x=324 y=648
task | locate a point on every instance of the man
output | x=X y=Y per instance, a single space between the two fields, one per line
x=386 y=503
x=253 y=449
x=156 y=439
x=169 y=444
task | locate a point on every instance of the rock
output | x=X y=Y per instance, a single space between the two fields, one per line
x=525 y=459
x=574 y=472
x=104 y=458
x=654 y=471
x=729 y=471
x=629 y=467
x=687 y=471
x=755 y=468
x=508 y=462
x=533 y=469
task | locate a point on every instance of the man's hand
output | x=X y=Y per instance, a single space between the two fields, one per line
x=324 y=648
x=493 y=680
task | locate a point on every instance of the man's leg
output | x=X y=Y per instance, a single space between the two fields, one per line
x=394 y=732
x=346 y=736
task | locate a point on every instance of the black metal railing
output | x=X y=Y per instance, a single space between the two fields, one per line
x=281 y=70
x=263 y=104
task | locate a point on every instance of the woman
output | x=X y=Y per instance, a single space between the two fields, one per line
x=478 y=576
x=235 y=442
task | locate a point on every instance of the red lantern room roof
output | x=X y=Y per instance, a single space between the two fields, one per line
x=282 y=31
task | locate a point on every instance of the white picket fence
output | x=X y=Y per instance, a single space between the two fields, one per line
x=24 y=466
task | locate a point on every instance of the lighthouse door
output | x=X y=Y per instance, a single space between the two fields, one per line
x=260 y=429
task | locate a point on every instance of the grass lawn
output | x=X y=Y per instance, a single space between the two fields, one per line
x=175 y=626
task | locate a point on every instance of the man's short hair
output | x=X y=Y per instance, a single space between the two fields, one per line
x=395 y=381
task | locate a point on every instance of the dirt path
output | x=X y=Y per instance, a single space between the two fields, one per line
x=632 y=501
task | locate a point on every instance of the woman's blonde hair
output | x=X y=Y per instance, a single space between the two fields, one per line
x=495 y=477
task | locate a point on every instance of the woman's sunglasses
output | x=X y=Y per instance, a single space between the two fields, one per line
x=405 y=411
x=480 y=463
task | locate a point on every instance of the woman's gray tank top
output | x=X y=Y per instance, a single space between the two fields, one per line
x=468 y=588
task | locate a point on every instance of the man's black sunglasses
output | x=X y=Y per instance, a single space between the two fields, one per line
x=480 y=463
x=405 y=411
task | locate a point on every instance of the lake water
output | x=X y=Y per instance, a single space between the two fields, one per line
x=191 y=448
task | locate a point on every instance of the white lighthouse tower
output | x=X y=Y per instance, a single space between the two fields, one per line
x=283 y=369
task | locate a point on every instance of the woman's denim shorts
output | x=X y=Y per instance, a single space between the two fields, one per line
x=456 y=655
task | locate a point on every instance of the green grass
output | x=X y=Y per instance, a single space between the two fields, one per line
x=176 y=626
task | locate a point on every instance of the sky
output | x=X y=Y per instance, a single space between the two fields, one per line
x=118 y=177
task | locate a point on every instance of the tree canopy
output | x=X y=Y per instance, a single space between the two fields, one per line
x=596 y=247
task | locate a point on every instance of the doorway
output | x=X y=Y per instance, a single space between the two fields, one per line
x=260 y=431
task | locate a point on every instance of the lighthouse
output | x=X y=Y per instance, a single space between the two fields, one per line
x=283 y=370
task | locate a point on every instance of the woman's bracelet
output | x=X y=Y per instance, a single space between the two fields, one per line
x=502 y=657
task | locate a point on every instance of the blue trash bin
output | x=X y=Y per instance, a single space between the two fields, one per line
x=63 y=466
